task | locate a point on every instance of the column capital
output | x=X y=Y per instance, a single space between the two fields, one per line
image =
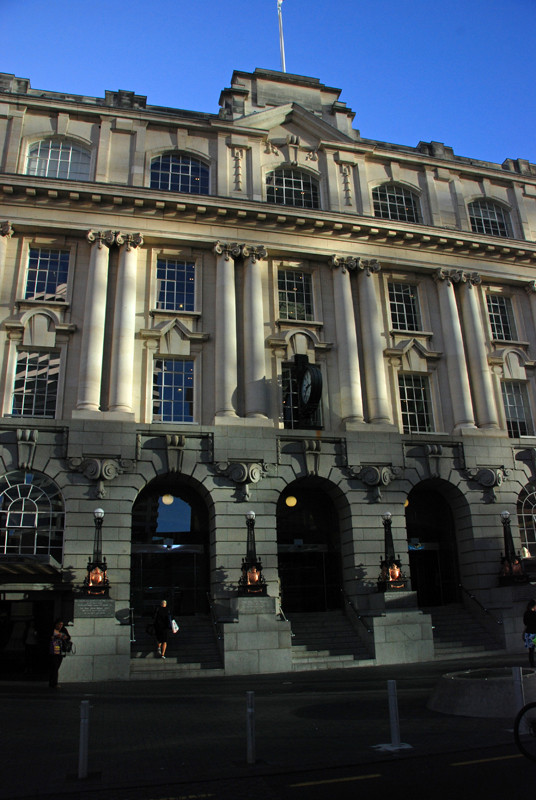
x=6 y=229
x=101 y=238
x=448 y=277
x=368 y=266
x=344 y=263
x=530 y=287
x=130 y=240
x=226 y=250
x=254 y=252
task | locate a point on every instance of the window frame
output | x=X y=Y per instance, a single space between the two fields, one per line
x=36 y=352
x=501 y=318
x=57 y=297
x=289 y=270
x=495 y=205
x=524 y=404
x=417 y=311
x=178 y=154
x=163 y=283
x=314 y=178
x=413 y=194
x=83 y=147
x=289 y=409
x=195 y=378
x=408 y=429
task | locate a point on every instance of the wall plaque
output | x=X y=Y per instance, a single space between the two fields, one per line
x=85 y=607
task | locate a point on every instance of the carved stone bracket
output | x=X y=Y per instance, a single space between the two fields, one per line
x=26 y=443
x=311 y=452
x=374 y=477
x=175 y=444
x=100 y=470
x=488 y=478
x=6 y=229
x=242 y=474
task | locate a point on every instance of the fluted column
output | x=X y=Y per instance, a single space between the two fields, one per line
x=348 y=357
x=373 y=361
x=122 y=364
x=226 y=344
x=460 y=395
x=475 y=343
x=6 y=232
x=254 y=358
x=91 y=350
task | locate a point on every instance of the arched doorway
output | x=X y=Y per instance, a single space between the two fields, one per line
x=433 y=555
x=170 y=549
x=308 y=548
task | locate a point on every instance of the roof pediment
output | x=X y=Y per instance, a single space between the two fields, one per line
x=294 y=119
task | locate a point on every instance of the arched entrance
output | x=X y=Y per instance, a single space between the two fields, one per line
x=308 y=548
x=433 y=556
x=170 y=549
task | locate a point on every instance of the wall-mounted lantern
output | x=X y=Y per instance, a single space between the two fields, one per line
x=96 y=581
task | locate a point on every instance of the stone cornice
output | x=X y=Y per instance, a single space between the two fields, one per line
x=136 y=202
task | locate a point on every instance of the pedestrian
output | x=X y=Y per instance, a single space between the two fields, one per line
x=58 y=640
x=162 y=627
x=529 y=634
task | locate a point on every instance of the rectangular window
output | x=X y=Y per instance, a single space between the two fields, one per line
x=173 y=390
x=175 y=285
x=415 y=403
x=517 y=409
x=47 y=274
x=291 y=402
x=501 y=317
x=35 y=388
x=404 y=307
x=295 y=294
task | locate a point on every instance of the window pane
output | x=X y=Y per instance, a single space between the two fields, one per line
x=58 y=159
x=176 y=285
x=404 y=307
x=47 y=274
x=177 y=173
x=35 y=388
x=31 y=515
x=488 y=217
x=295 y=295
x=292 y=187
x=415 y=403
x=395 y=202
x=173 y=390
x=501 y=317
x=516 y=408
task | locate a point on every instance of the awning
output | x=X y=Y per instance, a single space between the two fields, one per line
x=16 y=564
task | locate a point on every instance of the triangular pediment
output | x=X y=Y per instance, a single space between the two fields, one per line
x=292 y=119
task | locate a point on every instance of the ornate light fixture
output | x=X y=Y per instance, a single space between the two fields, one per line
x=391 y=575
x=96 y=581
x=252 y=580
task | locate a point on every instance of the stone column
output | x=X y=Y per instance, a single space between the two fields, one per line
x=375 y=381
x=6 y=232
x=254 y=359
x=530 y=289
x=91 y=350
x=458 y=379
x=475 y=343
x=122 y=363
x=226 y=370
x=348 y=358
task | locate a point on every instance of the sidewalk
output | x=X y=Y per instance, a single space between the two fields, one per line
x=151 y=733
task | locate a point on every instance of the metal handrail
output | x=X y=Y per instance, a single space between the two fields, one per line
x=479 y=604
x=360 y=618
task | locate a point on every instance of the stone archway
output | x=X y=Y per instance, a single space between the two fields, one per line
x=433 y=518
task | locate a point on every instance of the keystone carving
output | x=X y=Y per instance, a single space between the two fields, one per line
x=26 y=443
x=311 y=452
x=100 y=470
x=175 y=444
x=242 y=474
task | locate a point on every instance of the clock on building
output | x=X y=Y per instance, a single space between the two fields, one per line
x=310 y=389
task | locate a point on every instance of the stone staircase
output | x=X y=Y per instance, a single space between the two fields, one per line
x=326 y=640
x=458 y=634
x=192 y=652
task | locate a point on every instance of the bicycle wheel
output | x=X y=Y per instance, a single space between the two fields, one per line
x=525 y=731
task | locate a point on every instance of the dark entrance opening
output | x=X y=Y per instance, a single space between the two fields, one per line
x=308 y=546
x=433 y=557
x=170 y=559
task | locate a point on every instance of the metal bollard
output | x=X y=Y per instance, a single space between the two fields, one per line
x=84 y=739
x=393 y=714
x=250 y=726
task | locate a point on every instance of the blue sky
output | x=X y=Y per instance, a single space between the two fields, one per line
x=460 y=71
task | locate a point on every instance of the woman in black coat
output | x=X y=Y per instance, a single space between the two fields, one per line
x=162 y=627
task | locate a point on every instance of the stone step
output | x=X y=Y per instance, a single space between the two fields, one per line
x=325 y=640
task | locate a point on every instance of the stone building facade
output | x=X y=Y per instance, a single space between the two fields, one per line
x=206 y=314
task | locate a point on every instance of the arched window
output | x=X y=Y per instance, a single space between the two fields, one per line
x=526 y=515
x=292 y=187
x=55 y=158
x=489 y=217
x=31 y=515
x=392 y=201
x=178 y=173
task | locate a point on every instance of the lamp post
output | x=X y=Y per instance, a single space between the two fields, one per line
x=96 y=581
x=391 y=576
x=511 y=567
x=252 y=580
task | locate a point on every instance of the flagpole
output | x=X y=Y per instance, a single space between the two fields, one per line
x=281 y=40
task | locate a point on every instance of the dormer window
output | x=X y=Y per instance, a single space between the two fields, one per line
x=174 y=172
x=292 y=187
x=392 y=201
x=56 y=158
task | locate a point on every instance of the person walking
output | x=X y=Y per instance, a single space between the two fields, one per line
x=162 y=627
x=529 y=634
x=56 y=650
